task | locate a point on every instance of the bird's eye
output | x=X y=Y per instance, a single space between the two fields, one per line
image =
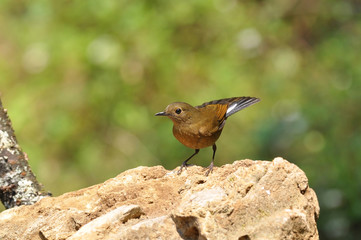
x=178 y=111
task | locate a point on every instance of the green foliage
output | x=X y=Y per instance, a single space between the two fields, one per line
x=83 y=79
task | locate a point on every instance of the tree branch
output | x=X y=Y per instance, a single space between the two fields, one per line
x=18 y=184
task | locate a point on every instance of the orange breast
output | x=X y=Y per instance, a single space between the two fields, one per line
x=194 y=139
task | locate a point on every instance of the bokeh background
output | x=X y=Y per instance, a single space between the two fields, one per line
x=83 y=79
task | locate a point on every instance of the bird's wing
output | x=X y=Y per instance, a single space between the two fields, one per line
x=224 y=101
x=214 y=116
x=228 y=106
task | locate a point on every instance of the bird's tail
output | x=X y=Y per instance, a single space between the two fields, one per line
x=239 y=103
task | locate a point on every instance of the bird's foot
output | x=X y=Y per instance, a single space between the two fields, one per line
x=184 y=165
x=210 y=169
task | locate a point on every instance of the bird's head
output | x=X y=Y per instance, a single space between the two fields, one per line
x=178 y=112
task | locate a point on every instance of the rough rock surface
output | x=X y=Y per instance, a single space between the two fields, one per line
x=244 y=200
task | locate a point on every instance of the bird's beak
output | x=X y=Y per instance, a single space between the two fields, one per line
x=161 y=114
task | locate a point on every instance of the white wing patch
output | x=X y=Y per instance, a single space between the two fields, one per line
x=230 y=108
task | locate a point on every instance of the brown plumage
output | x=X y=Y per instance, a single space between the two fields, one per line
x=200 y=126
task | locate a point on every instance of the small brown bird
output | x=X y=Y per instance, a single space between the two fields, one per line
x=200 y=126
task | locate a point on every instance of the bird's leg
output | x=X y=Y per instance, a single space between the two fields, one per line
x=210 y=167
x=185 y=164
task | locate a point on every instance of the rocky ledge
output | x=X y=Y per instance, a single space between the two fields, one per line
x=244 y=200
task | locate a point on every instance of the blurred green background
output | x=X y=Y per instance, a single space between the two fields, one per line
x=83 y=79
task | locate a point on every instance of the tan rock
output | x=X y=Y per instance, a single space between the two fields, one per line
x=101 y=226
x=245 y=200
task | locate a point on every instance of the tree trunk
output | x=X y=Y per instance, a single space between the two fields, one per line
x=18 y=184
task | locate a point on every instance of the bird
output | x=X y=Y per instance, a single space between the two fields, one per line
x=200 y=126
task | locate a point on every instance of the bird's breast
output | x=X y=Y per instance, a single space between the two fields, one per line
x=195 y=137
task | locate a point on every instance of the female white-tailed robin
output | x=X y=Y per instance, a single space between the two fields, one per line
x=200 y=126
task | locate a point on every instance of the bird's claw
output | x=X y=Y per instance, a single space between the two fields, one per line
x=184 y=165
x=210 y=169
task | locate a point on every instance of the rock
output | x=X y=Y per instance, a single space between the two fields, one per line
x=244 y=200
x=99 y=227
